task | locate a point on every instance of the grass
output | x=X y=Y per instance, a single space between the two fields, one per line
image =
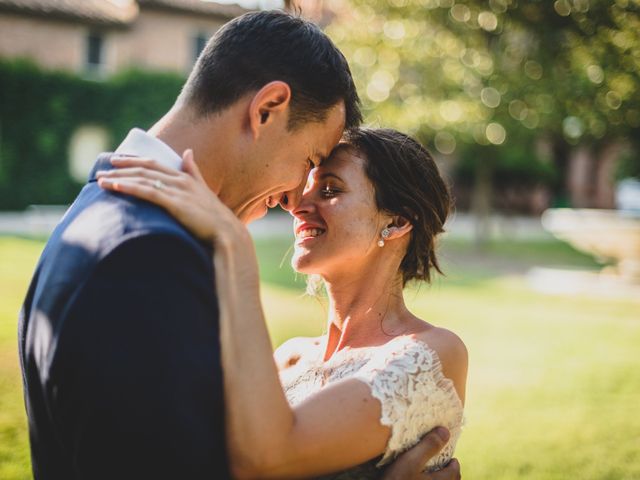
x=17 y=259
x=553 y=386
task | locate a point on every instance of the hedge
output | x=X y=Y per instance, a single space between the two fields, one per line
x=40 y=110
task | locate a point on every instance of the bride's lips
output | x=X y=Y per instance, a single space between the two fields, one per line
x=307 y=231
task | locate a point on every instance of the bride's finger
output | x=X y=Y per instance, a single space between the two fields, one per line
x=143 y=162
x=138 y=188
x=140 y=172
x=189 y=165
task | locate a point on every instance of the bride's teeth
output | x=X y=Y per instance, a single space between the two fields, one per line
x=310 y=232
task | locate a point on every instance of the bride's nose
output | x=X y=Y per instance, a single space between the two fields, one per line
x=306 y=204
x=290 y=200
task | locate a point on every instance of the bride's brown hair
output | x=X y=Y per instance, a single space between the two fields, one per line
x=407 y=183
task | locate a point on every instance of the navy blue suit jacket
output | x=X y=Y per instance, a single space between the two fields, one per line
x=119 y=347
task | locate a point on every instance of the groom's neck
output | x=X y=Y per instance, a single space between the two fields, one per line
x=183 y=129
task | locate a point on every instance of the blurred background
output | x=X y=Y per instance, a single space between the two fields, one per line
x=532 y=110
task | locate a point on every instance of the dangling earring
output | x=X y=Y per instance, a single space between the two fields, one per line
x=384 y=234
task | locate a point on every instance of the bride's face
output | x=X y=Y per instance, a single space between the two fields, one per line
x=337 y=224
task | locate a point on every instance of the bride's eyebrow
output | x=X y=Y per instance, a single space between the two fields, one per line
x=326 y=175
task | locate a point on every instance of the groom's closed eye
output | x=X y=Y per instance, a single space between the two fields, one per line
x=319 y=160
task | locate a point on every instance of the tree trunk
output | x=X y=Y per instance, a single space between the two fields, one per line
x=560 y=155
x=481 y=202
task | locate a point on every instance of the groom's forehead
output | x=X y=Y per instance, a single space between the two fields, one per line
x=333 y=129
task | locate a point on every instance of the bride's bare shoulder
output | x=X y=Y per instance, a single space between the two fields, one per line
x=452 y=353
x=290 y=352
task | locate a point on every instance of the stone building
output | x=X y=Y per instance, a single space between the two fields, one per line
x=98 y=37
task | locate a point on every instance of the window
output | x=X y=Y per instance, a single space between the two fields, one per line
x=86 y=142
x=199 y=42
x=95 y=51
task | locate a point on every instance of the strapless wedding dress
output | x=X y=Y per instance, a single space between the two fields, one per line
x=405 y=375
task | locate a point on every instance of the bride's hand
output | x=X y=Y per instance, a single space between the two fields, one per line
x=184 y=194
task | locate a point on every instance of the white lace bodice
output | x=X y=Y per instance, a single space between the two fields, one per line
x=405 y=375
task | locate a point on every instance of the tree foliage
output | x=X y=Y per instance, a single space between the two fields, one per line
x=39 y=112
x=463 y=75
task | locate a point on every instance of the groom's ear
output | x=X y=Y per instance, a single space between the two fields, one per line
x=269 y=105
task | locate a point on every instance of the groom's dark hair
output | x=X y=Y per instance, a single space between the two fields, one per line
x=259 y=47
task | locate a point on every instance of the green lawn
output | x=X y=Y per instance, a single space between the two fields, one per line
x=554 y=382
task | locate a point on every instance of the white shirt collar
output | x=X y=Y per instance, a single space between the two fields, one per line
x=140 y=144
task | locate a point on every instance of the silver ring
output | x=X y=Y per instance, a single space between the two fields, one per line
x=159 y=185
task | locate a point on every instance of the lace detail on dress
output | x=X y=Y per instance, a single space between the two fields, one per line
x=415 y=397
x=405 y=375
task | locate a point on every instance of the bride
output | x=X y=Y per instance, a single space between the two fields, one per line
x=354 y=398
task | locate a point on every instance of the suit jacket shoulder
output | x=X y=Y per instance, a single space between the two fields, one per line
x=118 y=341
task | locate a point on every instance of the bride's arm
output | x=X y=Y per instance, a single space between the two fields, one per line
x=335 y=429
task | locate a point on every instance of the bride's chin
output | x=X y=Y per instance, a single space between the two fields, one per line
x=303 y=264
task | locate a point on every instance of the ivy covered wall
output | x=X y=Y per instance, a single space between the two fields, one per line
x=40 y=110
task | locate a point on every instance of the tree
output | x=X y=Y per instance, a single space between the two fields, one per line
x=486 y=81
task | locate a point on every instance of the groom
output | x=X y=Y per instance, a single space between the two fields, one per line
x=118 y=334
